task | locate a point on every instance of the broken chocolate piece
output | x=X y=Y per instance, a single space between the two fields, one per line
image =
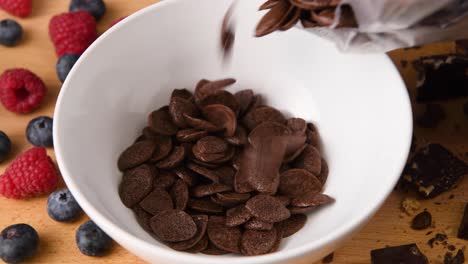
x=399 y=254
x=433 y=170
x=422 y=221
x=442 y=77
x=432 y=116
x=463 y=229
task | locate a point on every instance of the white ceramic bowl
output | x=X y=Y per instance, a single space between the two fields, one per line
x=358 y=102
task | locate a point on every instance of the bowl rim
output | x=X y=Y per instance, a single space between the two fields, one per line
x=115 y=231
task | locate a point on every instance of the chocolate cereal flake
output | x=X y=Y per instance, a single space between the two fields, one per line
x=310 y=160
x=267 y=208
x=222 y=236
x=256 y=224
x=179 y=108
x=163 y=147
x=180 y=194
x=173 y=160
x=182 y=93
x=298 y=182
x=200 y=246
x=245 y=99
x=221 y=116
x=190 y=135
x=311 y=199
x=157 y=201
x=135 y=185
x=136 y=154
x=256 y=242
x=205 y=205
x=209 y=189
x=201 y=221
x=293 y=224
x=173 y=226
x=237 y=216
x=262 y=114
x=160 y=122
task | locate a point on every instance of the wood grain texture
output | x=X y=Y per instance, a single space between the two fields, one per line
x=387 y=227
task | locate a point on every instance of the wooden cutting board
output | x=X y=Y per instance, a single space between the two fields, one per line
x=388 y=227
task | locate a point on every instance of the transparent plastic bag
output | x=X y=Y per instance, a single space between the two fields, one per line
x=385 y=25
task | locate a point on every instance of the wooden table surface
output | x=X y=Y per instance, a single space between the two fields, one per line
x=388 y=227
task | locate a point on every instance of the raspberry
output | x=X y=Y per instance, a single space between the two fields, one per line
x=21 y=91
x=31 y=174
x=72 y=32
x=21 y=8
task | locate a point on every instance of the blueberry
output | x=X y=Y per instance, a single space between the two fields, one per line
x=18 y=242
x=39 y=131
x=5 y=146
x=65 y=64
x=10 y=32
x=62 y=206
x=97 y=8
x=91 y=240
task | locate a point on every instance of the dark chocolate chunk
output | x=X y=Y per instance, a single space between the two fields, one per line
x=459 y=258
x=293 y=224
x=201 y=221
x=432 y=116
x=256 y=242
x=136 y=154
x=160 y=121
x=399 y=254
x=237 y=216
x=433 y=170
x=222 y=236
x=438 y=238
x=267 y=208
x=136 y=184
x=463 y=229
x=157 y=201
x=173 y=226
x=443 y=77
x=422 y=221
x=180 y=194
